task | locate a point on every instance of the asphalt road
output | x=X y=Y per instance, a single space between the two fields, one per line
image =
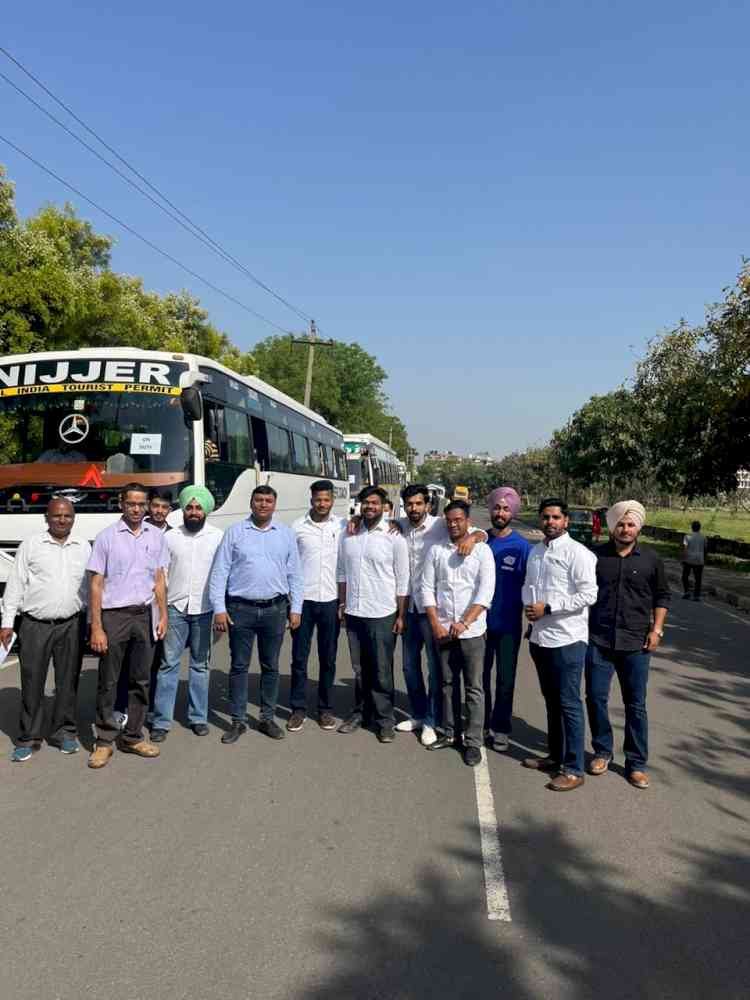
x=332 y=866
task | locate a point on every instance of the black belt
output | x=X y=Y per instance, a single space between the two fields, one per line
x=51 y=621
x=257 y=604
x=130 y=609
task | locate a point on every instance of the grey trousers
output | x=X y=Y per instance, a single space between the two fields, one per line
x=463 y=658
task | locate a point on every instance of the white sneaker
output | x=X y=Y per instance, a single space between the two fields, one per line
x=408 y=725
x=500 y=742
x=428 y=737
x=121 y=718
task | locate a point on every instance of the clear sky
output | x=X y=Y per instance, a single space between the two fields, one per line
x=502 y=201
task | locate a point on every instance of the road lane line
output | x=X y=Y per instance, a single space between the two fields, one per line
x=498 y=904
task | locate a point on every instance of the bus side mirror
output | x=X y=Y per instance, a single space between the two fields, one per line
x=192 y=403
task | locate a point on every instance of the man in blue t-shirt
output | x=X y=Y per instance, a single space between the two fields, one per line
x=504 y=618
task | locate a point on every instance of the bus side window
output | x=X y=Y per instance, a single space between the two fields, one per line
x=213 y=424
x=228 y=447
x=279 y=448
x=302 y=461
x=260 y=439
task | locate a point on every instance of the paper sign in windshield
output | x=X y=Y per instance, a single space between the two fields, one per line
x=145 y=444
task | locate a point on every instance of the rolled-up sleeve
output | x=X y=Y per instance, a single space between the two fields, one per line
x=217 y=587
x=583 y=576
x=429 y=598
x=486 y=583
x=401 y=566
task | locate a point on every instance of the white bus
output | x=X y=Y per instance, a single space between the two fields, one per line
x=370 y=462
x=82 y=424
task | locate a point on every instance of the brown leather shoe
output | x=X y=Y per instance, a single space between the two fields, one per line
x=598 y=765
x=638 y=779
x=326 y=721
x=565 y=782
x=100 y=756
x=541 y=764
x=143 y=748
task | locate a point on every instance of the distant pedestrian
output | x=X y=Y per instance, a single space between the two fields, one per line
x=47 y=585
x=192 y=547
x=505 y=616
x=318 y=534
x=456 y=592
x=128 y=602
x=373 y=575
x=560 y=587
x=421 y=530
x=256 y=589
x=625 y=627
x=159 y=507
x=693 y=560
x=596 y=525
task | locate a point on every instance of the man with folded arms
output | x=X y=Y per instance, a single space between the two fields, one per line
x=373 y=575
x=559 y=589
x=192 y=547
x=318 y=534
x=128 y=599
x=626 y=626
x=47 y=584
x=456 y=592
x=256 y=588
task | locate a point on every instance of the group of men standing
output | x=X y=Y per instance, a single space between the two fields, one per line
x=453 y=592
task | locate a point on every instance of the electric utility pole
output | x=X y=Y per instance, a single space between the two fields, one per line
x=312 y=342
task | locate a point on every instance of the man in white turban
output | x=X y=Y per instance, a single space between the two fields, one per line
x=626 y=625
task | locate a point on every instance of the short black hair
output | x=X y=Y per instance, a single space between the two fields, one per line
x=367 y=491
x=322 y=486
x=415 y=490
x=132 y=488
x=264 y=490
x=160 y=494
x=696 y=526
x=554 y=502
x=458 y=505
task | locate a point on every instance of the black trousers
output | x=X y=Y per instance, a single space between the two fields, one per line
x=697 y=571
x=323 y=616
x=39 y=641
x=123 y=681
x=129 y=636
x=374 y=642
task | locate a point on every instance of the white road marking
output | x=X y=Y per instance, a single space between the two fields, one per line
x=498 y=904
x=730 y=614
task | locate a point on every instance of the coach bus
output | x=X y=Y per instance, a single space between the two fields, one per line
x=370 y=462
x=81 y=424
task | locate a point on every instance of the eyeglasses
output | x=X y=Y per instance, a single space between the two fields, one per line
x=134 y=503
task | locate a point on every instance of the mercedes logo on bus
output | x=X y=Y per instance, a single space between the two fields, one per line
x=73 y=428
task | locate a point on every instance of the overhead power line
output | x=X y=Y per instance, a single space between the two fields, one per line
x=194 y=229
x=139 y=236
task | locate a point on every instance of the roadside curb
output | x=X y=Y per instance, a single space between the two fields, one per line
x=731 y=597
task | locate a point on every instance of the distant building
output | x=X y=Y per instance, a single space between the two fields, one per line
x=743 y=479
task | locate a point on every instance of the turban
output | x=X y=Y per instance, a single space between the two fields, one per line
x=618 y=511
x=509 y=495
x=199 y=494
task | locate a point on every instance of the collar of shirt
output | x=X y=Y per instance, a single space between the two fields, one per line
x=145 y=526
x=70 y=540
x=252 y=526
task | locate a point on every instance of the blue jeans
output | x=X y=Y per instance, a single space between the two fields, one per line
x=632 y=673
x=418 y=635
x=559 y=670
x=193 y=632
x=268 y=624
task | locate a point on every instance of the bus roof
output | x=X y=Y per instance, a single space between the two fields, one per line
x=368 y=439
x=193 y=361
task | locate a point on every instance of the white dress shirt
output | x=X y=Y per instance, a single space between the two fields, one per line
x=561 y=573
x=432 y=531
x=374 y=565
x=191 y=556
x=318 y=545
x=47 y=579
x=451 y=583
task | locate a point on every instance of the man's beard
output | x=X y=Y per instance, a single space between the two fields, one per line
x=194 y=524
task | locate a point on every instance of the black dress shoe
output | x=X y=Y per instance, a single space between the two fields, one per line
x=442 y=742
x=386 y=734
x=199 y=728
x=269 y=728
x=472 y=756
x=352 y=724
x=238 y=728
x=158 y=735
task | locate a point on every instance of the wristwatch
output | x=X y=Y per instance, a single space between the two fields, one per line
x=659 y=632
x=547 y=609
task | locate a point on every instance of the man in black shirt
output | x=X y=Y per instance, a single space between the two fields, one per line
x=625 y=627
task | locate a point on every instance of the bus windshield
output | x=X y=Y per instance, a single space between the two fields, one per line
x=358 y=477
x=94 y=441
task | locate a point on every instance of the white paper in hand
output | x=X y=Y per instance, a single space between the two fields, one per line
x=5 y=650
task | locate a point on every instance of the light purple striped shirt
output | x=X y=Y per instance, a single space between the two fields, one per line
x=128 y=563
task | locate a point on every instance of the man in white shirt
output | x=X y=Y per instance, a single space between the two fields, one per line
x=693 y=560
x=421 y=530
x=192 y=547
x=318 y=535
x=560 y=587
x=373 y=575
x=47 y=584
x=456 y=592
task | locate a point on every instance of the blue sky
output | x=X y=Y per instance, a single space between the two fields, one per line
x=502 y=202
